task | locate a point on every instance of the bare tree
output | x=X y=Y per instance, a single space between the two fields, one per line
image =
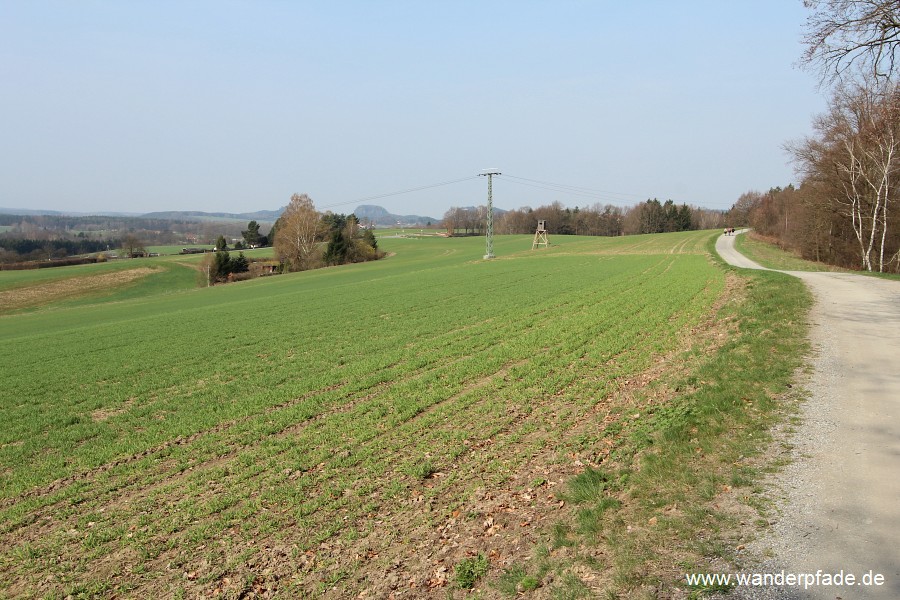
x=478 y=219
x=132 y=245
x=516 y=221
x=300 y=231
x=846 y=35
x=709 y=219
x=856 y=155
x=451 y=220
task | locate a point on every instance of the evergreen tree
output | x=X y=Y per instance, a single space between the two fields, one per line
x=685 y=218
x=368 y=237
x=239 y=264
x=251 y=234
x=334 y=221
x=221 y=266
x=338 y=247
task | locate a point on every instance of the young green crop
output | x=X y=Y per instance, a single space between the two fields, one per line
x=288 y=408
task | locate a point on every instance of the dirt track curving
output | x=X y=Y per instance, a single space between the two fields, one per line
x=839 y=509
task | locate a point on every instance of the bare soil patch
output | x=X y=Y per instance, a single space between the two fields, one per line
x=44 y=293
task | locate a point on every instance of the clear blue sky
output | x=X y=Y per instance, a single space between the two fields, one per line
x=234 y=105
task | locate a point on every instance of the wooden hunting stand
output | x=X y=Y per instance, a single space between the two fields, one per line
x=540 y=236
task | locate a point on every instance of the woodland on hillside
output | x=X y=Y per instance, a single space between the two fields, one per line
x=847 y=206
x=53 y=237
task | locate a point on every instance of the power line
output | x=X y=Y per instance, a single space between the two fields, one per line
x=569 y=192
x=573 y=187
x=570 y=189
x=399 y=192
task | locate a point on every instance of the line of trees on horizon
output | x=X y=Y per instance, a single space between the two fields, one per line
x=651 y=216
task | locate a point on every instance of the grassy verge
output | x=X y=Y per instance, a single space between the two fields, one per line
x=769 y=255
x=669 y=498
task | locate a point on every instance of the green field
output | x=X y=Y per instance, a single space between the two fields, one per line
x=359 y=429
x=167 y=250
x=61 y=287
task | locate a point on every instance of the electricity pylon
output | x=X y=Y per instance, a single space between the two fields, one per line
x=489 y=253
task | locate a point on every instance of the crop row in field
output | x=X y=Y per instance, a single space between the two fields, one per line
x=298 y=430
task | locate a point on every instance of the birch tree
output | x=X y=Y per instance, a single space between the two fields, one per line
x=300 y=231
x=857 y=152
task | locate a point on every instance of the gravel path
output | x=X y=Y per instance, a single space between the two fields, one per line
x=839 y=501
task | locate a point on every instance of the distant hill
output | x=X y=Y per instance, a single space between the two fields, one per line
x=29 y=212
x=365 y=212
x=264 y=216
x=497 y=211
x=380 y=216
